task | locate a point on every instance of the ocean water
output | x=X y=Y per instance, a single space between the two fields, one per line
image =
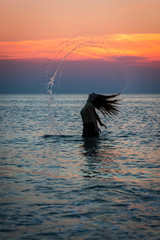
x=65 y=187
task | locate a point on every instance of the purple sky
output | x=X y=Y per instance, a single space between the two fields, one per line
x=17 y=76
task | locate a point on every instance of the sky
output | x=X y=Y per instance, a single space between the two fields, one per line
x=119 y=39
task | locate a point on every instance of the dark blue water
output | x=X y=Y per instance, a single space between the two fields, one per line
x=67 y=187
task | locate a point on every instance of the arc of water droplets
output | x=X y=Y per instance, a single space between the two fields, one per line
x=80 y=45
x=59 y=72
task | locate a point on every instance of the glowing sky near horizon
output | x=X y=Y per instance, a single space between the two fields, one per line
x=138 y=47
x=105 y=29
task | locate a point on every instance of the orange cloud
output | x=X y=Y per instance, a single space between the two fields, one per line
x=141 y=47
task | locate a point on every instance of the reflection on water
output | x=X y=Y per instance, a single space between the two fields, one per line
x=69 y=187
x=91 y=147
x=100 y=158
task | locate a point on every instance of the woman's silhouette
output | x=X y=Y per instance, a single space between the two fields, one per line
x=106 y=104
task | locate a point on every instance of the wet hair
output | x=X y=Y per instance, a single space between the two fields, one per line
x=107 y=104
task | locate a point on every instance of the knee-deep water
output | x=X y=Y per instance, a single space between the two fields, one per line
x=67 y=187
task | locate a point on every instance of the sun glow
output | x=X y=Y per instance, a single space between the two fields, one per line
x=140 y=47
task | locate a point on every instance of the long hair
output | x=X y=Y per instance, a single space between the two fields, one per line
x=107 y=104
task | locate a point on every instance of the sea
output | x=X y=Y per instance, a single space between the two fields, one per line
x=55 y=184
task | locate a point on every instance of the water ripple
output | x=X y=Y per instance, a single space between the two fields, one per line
x=67 y=187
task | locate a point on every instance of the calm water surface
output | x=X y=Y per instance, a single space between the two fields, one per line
x=67 y=187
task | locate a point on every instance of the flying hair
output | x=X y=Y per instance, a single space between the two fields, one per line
x=107 y=104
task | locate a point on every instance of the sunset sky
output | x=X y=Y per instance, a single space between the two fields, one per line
x=117 y=31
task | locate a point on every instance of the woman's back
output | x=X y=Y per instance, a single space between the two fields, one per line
x=85 y=113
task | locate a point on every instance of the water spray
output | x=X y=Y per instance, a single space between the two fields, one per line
x=58 y=73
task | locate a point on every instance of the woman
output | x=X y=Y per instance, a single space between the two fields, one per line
x=106 y=104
